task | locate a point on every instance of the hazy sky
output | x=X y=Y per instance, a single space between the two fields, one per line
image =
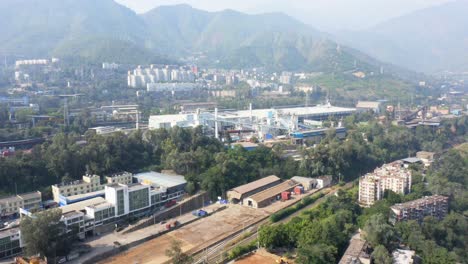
x=327 y=15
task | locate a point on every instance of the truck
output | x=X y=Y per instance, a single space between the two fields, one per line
x=171 y=225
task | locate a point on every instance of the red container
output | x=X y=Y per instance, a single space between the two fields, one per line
x=285 y=196
x=298 y=190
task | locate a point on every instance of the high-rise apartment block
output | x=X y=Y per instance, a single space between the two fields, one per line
x=140 y=77
x=435 y=206
x=393 y=176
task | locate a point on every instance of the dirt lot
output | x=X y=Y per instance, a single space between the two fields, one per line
x=259 y=257
x=194 y=236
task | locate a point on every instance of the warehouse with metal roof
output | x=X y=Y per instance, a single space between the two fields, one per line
x=238 y=194
x=270 y=195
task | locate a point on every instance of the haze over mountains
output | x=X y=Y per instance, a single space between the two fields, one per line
x=433 y=39
x=106 y=31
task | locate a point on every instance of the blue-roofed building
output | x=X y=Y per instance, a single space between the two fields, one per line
x=316 y=134
x=66 y=200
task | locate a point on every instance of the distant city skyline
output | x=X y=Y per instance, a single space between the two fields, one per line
x=326 y=15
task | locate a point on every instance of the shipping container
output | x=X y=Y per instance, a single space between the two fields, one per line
x=285 y=196
x=298 y=190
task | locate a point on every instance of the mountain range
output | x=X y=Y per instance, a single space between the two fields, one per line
x=107 y=31
x=430 y=40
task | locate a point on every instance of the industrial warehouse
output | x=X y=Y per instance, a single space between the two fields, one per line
x=299 y=123
x=265 y=191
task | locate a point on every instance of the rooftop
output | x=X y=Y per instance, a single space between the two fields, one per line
x=411 y=160
x=26 y=196
x=246 y=144
x=85 y=195
x=9 y=232
x=81 y=205
x=9 y=198
x=119 y=174
x=401 y=256
x=355 y=250
x=101 y=205
x=300 y=178
x=273 y=191
x=72 y=214
x=160 y=179
x=367 y=104
x=420 y=202
x=136 y=186
x=256 y=184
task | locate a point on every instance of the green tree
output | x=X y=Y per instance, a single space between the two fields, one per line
x=44 y=234
x=176 y=254
x=378 y=232
x=316 y=254
x=381 y=255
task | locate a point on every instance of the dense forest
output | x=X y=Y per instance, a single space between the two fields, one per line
x=209 y=165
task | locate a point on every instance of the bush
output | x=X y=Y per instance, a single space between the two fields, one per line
x=291 y=210
x=242 y=250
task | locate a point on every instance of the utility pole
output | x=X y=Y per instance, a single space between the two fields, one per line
x=65 y=112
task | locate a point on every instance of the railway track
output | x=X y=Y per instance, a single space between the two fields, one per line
x=218 y=253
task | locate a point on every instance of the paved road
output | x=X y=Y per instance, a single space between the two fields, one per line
x=105 y=243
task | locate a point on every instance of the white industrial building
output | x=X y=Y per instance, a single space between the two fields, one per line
x=262 y=121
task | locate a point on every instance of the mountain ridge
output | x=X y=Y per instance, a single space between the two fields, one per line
x=105 y=30
x=431 y=40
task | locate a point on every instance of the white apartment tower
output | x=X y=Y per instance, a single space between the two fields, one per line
x=393 y=176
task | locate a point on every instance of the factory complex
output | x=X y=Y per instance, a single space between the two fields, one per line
x=295 y=122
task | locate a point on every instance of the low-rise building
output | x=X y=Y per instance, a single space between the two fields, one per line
x=238 y=194
x=426 y=157
x=121 y=177
x=74 y=222
x=89 y=183
x=10 y=242
x=363 y=106
x=268 y=196
x=357 y=251
x=323 y=181
x=10 y=205
x=80 y=197
x=393 y=176
x=193 y=107
x=404 y=256
x=307 y=183
x=435 y=206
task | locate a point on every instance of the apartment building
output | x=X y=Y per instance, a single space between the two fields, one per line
x=10 y=205
x=393 y=176
x=435 y=206
x=89 y=183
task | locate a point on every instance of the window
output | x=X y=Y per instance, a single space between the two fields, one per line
x=120 y=202
x=138 y=199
